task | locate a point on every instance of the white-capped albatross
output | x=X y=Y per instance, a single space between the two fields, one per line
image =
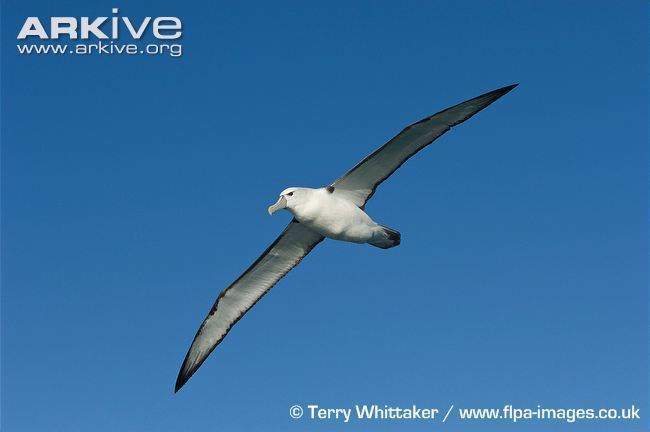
x=335 y=211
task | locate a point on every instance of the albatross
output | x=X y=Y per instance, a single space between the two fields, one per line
x=336 y=211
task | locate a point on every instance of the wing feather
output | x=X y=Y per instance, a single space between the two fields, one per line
x=359 y=184
x=295 y=242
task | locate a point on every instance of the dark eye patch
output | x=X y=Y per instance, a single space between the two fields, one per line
x=290 y=194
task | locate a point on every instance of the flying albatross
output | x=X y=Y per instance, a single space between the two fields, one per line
x=335 y=211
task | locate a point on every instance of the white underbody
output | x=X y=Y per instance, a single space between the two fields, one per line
x=335 y=217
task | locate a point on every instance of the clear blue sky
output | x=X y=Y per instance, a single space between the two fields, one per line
x=134 y=189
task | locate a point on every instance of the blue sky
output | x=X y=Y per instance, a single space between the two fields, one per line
x=135 y=188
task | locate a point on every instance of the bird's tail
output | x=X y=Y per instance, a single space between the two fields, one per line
x=385 y=238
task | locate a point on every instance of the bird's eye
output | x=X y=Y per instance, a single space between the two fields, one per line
x=290 y=194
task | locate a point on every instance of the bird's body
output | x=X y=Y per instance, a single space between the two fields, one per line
x=336 y=211
x=331 y=216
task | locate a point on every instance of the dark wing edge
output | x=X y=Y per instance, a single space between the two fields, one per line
x=481 y=102
x=296 y=237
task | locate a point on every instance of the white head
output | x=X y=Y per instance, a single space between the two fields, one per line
x=289 y=198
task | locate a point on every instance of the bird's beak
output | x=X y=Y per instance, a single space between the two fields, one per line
x=282 y=203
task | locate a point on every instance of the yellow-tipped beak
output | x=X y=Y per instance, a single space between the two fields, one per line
x=282 y=203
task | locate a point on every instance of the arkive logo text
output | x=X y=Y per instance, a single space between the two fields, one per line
x=104 y=35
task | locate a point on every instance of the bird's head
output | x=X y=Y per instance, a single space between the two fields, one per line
x=289 y=198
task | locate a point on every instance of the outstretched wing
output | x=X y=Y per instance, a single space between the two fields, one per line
x=360 y=183
x=295 y=242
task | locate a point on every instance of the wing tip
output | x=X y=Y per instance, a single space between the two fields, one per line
x=185 y=373
x=181 y=379
x=506 y=89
